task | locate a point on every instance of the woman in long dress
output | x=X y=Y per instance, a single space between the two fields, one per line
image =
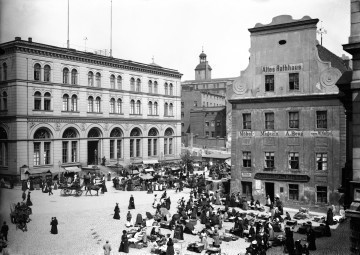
x=54 y=224
x=170 y=247
x=131 y=203
x=129 y=220
x=124 y=245
x=28 y=200
x=117 y=212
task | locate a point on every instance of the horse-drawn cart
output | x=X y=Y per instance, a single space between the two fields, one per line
x=69 y=189
x=19 y=215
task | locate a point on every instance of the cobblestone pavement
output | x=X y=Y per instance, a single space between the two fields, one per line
x=86 y=222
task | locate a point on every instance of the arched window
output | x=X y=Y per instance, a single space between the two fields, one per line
x=166 y=88
x=166 y=109
x=37 y=100
x=91 y=79
x=98 y=80
x=74 y=77
x=74 y=104
x=112 y=105
x=47 y=73
x=119 y=106
x=138 y=85
x=42 y=147
x=150 y=86
x=150 y=108
x=70 y=146
x=65 y=102
x=132 y=84
x=3 y=148
x=4 y=105
x=98 y=104
x=90 y=104
x=47 y=101
x=112 y=81
x=156 y=112
x=66 y=75
x=171 y=87
x=135 y=143
x=94 y=132
x=168 y=142
x=4 y=74
x=132 y=107
x=155 y=87
x=153 y=142
x=171 y=110
x=116 y=143
x=37 y=72
x=119 y=82
x=138 y=107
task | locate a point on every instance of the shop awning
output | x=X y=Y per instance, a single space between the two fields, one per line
x=150 y=161
x=38 y=171
x=72 y=169
x=217 y=156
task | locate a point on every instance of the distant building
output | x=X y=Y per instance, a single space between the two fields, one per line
x=289 y=123
x=63 y=108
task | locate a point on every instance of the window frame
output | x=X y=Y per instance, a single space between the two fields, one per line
x=294 y=191
x=269 y=83
x=323 y=192
x=246 y=118
x=294 y=160
x=294 y=123
x=321 y=159
x=294 y=81
x=246 y=159
x=269 y=160
x=269 y=123
x=321 y=120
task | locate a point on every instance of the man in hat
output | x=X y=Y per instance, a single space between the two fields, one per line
x=107 y=248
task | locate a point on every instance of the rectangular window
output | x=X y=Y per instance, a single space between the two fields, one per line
x=74 y=151
x=321 y=119
x=112 y=149
x=293 y=191
x=246 y=159
x=293 y=119
x=36 y=154
x=195 y=103
x=294 y=160
x=131 y=148
x=170 y=145
x=137 y=147
x=37 y=104
x=47 y=153
x=47 y=104
x=207 y=123
x=269 y=121
x=218 y=123
x=182 y=104
x=118 y=148
x=321 y=161
x=213 y=123
x=65 y=103
x=293 y=81
x=182 y=114
x=269 y=160
x=155 y=146
x=269 y=83
x=212 y=134
x=64 y=152
x=165 y=146
x=149 y=147
x=246 y=121
x=207 y=133
x=321 y=194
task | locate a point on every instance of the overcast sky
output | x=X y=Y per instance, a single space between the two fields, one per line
x=173 y=31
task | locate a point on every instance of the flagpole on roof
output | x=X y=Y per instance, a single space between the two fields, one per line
x=68 y=26
x=111 y=29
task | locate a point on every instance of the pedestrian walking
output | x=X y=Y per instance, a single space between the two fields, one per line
x=54 y=224
x=28 y=201
x=117 y=212
x=107 y=248
x=131 y=203
x=4 y=231
x=50 y=189
x=124 y=245
x=23 y=196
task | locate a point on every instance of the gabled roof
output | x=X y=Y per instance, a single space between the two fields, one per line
x=328 y=56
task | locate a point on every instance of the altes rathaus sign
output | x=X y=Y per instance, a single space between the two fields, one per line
x=282 y=68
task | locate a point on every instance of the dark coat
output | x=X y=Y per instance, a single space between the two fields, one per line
x=131 y=203
x=124 y=245
x=311 y=239
x=170 y=248
x=117 y=213
x=28 y=201
x=54 y=224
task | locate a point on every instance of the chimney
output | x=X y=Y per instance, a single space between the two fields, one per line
x=30 y=39
x=17 y=38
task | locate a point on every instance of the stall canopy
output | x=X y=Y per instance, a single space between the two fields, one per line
x=148 y=170
x=72 y=169
x=38 y=171
x=150 y=161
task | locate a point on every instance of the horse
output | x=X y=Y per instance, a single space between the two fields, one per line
x=90 y=187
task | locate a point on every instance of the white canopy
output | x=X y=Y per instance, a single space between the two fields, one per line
x=150 y=161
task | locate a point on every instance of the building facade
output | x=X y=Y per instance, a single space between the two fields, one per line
x=288 y=124
x=61 y=107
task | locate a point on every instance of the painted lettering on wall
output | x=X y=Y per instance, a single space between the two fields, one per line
x=294 y=133
x=321 y=133
x=247 y=133
x=269 y=133
x=282 y=68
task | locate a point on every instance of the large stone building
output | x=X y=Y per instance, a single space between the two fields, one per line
x=289 y=124
x=62 y=107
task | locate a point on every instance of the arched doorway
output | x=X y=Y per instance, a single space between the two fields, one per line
x=94 y=146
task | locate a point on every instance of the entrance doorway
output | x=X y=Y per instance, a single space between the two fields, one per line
x=93 y=152
x=247 y=189
x=269 y=190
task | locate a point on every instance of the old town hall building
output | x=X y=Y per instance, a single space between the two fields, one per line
x=289 y=124
x=62 y=107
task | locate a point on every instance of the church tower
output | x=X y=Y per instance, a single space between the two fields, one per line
x=203 y=70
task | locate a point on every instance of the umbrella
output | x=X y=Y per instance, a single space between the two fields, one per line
x=164 y=211
x=149 y=215
x=146 y=177
x=176 y=216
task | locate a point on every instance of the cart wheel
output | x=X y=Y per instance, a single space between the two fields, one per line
x=67 y=191
x=79 y=192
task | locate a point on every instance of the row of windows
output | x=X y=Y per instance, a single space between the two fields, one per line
x=218 y=123
x=213 y=134
x=293 y=82
x=293 y=117
x=293 y=160
x=42 y=149
x=321 y=193
x=205 y=104
x=95 y=80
